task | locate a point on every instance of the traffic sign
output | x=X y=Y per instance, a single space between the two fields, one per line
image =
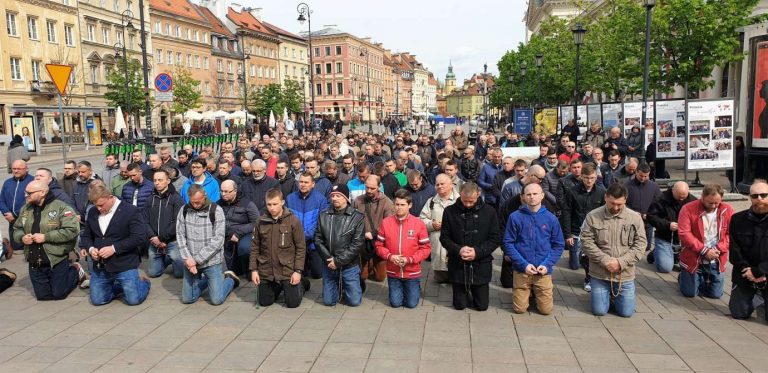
x=164 y=96
x=163 y=82
x=60 y=75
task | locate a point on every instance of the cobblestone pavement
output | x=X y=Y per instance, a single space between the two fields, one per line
x=668 y=333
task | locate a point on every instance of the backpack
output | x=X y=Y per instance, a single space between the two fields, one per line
x=211 y=213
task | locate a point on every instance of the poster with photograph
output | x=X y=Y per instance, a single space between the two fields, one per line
x=24 y=126
x=710 y=134
x=760 y=97
x=566 y=114
x=633 y=112
x=613 y=115
x=594 y=114
x=670 y=129
x=546 y=121
x=93 y=125
x=581 y=119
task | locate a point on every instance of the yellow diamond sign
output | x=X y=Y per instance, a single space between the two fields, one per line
x=60 y=75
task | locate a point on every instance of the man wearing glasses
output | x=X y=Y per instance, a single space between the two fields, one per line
x=202 y=178
x=570 y=153
x=749 y=253
x=48 y=229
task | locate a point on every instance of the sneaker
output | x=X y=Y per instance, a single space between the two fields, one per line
x=233 y=276
x=80 y=273
x=85 y=284
x=587 y=286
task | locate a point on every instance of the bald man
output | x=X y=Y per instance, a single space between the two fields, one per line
x=12 y=200
x=662 y=215
x=48 y=228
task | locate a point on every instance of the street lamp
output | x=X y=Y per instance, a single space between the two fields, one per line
x=578 y=39
x=145 y=69
x=244 y=77
x=364 y=52
x=126 y=18
x=649 y=4
x=303 y=10
x=523 y=70
x=511 y=80
x=485 y=92
x=539 y=64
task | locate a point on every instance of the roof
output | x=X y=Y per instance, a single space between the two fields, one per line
x=248 y=21
x=281 y=31
x=326 y=31
x=181 y=8
x=216 y=25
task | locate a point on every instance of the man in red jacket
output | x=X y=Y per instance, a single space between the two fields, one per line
x=703 y=229
x=403 y=242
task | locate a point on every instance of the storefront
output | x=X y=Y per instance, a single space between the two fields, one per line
x=40 y=125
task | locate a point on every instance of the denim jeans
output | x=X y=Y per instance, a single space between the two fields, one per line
x=601 y=295
x=348 y=279
x=106 y=286
x=649 y=235
x=707 y=281
x=742 y=302
x=404 y=292
x=159 y=261
x=664 y=257
x=574 y=253
x=53 y=283
x=211 y=278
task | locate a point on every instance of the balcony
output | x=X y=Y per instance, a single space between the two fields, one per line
x=38 y=87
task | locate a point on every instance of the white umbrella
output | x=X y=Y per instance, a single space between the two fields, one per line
x=191 y=114
x=119 y=121
x=272 y=121
x=220 y=114
x=209 y=115
x=285 y=113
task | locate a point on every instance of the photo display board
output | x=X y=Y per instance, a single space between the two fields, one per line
x=760 y=96
x=613 y=115
x=670 y=129
x=594 y=114
x=633 y=112
x=710 y=134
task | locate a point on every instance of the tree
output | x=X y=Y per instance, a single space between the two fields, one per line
x=116 y=93
x=293 y=96
x=269 y=98
x=186 y=91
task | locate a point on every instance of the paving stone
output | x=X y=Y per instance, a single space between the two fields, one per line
x=657 y=361
x=443 y=366
x=298 y=349
x=334 y=365
x=346 y=350
x=391 y=365
x=445 y=354
x=286 y=364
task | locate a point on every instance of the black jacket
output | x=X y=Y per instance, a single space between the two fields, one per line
x=288 y=185
x=241 y=215
x=80 y=194
x=126 y=232
x=664 y=211
x=391 y=185
x=578 y=203
x=185 y=169
x=256 y=190
x=160 y=214
x=476 y=227
x=59 y=193
x=340 y=235
x=470 y=169
x=640 y=196
x=749 y=245
x=498 y=182
x=564 y=183
x=420 y=197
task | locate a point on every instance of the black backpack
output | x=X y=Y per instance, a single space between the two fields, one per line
x=211 y=213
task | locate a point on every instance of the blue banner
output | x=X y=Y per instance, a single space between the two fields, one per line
x=523 y=121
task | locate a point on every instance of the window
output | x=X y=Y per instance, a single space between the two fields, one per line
x=158 y=26
x=229 y=67
x=338 y=68
x=178 y=58
x=317 y=52
x=207 y=88
x=317 y=69
x=119 y=36
x=327 y=51
x=205 y=37
x=35 y=70
x=319 y=89
x=259 y=51
x=91 y=32
x=105 y=35
x=15 y=68
x=231 y=89
x=260 y=73
x=167 y=30
x=328 y=69
x=286 y=69
x=239 y=68
x=73 y=77
x=51 y=27
x=219 y=67
x=159 y=55
x=116 y=5
x=293 y=52
x=128 y=4
x=32 y=28
x=94 y=74
x=197 y=35
x=197 y=61
x=253 y=70
x=68 y=35
x=339 y=88
x=170 y=58
x=285 y=51
x=189 y=60
x=205 y=63
x=107 y=70
x=10 y=24
x=301 y=53
x=131 y=40
x=177 y=32
x=272 y=72
x=294 y=71
x=328 y=89
x=338 y=50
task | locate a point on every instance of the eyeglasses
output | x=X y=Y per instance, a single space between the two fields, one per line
x=537 y=177
x=27 y=194
x=759 y=196
x=198 y=166
x=569 y=146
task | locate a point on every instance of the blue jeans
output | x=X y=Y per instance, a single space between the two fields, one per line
x=404 y=292
x=106 y=286
x=664 y=257
x=601 y=295
x=53 y=283
x=348 y=280
x=649 y=235
x=574 y=253
x=159 y=261
x=707 y=281
x=211 y=278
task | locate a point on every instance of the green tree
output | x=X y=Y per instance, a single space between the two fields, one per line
x=269 y=98
x=186 y=91
x=116 y=93
x=293 y=96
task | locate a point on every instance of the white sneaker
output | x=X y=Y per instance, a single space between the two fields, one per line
x=587 y=287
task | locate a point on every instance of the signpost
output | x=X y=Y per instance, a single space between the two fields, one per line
x=60 y=75
x=163 y=87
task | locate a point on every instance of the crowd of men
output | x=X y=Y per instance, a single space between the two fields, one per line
x=369 y=207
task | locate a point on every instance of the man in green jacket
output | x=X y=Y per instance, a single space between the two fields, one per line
x=48 y=228
x=119 y=181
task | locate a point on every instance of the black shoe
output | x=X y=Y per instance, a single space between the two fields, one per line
x=362 y=285
x=305 y=283
x=650 y=258
x=234 y=278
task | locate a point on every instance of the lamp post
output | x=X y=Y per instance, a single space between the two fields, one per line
x=244 y=76
x=523 y=70
x=511 y=80
x=649 y=4
x=578 y=38
x=539 y=64
x=397 y=93
x=126 y=18
x=364 y=52
x=485 y=92
x=145 y=68
x=304 y=10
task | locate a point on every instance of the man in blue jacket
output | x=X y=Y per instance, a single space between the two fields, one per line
x=534 y=242
x=12 y=199
x=202 y=178
x=307 y=204
x=488 y=173
x=138 y=190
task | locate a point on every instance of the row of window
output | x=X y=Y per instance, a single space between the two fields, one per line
x=103 y=4
x=33 y=25
x=340 y=90
x=177 y=31
x=17 y=72
x=167 y=57
x=327 y=51
x=293 y=53
x=90 y=35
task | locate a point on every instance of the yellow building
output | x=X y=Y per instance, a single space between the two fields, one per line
x=224 y=91
x=259 y=43
x=292 y=57
x=469 y=100
x=38 y=32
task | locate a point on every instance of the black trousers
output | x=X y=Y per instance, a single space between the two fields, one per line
x=5 y=282
x=741 y=303
x=476 y=297
x=270 y=290
x=506 y=274
x=53 y=283
x=313 y=266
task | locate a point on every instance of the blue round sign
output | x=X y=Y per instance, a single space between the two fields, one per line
x=163 y=82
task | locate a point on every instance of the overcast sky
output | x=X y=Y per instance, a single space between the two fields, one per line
x=469 y=33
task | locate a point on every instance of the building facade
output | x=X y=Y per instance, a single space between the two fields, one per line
x=260 y=45
x=224 y=83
